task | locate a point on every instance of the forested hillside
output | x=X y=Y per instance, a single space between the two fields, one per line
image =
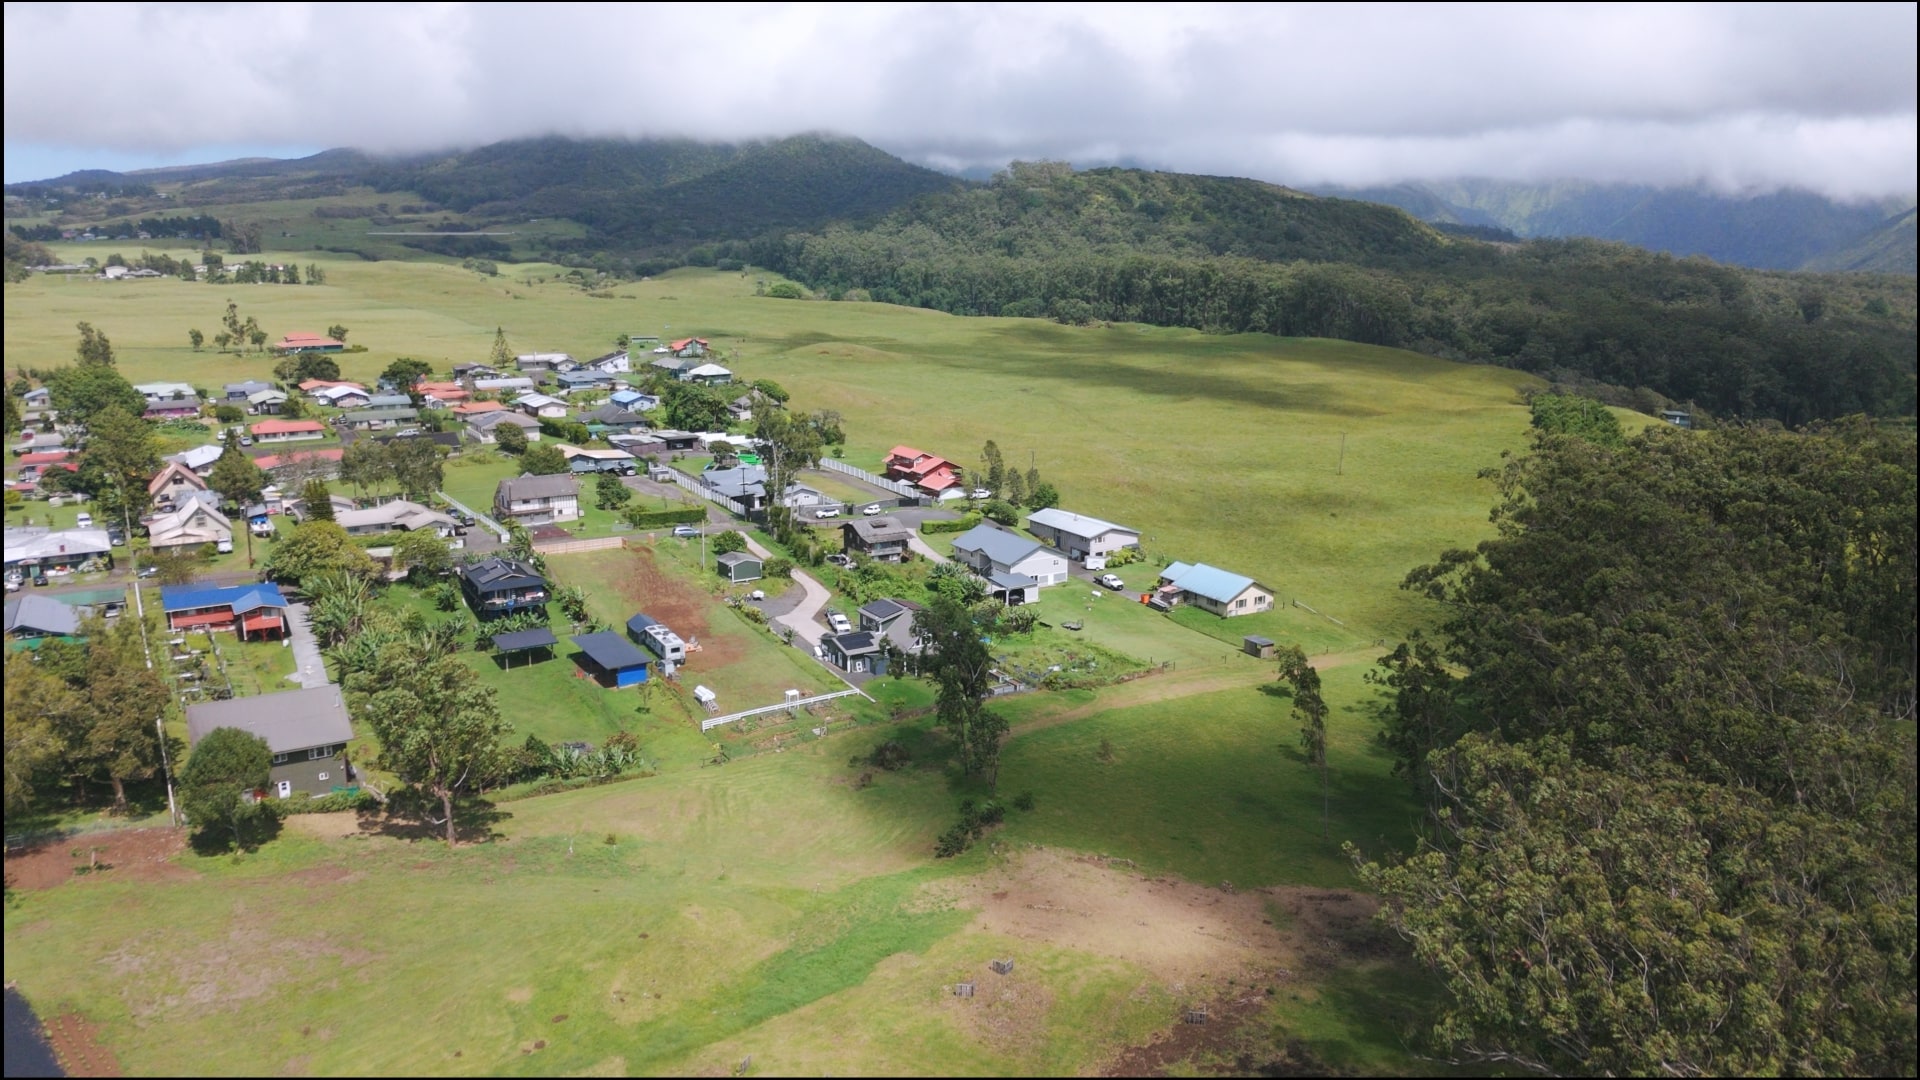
x=1235 y=255
x=1673 y=792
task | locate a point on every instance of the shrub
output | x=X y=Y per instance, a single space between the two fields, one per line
x=1003 y=513
x=786 y=290
x=965 y=522
x=641 y=518
x=1023 y=802
x=890 y=755
x=952 y=842
x=780 y=567
x=728 y=542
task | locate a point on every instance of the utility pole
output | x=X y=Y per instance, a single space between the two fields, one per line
x=166 y=767
x=1341 y=468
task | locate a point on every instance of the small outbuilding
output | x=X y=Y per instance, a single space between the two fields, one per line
x=619 y=663
x=738 y=567
x=532 y=642
x=1261 y=647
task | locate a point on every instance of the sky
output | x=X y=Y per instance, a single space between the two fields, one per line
x=1738 y=97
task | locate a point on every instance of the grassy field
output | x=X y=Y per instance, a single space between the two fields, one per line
x=785 y=906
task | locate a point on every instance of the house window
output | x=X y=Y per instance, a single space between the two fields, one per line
x=282 y=759
x=324 y=776
x=318 y=753
x=1242 y=602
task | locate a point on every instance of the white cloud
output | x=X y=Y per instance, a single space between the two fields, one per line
x=1738 y=96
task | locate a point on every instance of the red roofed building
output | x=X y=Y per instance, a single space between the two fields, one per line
x=446 y=393
x=475 y=408
x=311 y=385
x=288 y=430
x=304 y=343
x=331 y=456
x=685 y=347
x=929 y=473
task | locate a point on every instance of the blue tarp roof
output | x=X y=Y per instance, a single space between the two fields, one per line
x=611 y=651
x=242 y=598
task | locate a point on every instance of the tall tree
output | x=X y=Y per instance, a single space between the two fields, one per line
x=337 y=332
x=418 y=466
x=82 y=391
x=95 y=350
x=196 y=339
x=439 y=726
x=366 y=465
x=227 y=763
x=124 y=699
x=235 y=476
x=403 y=373
x=118 y=462
x=40 y=705
x=543 y=459
x=959 y=663
x=317 y=547
x=501 y=357
x=510 y=439
x=996 y=465
x=1310 y=709
x=316 y=502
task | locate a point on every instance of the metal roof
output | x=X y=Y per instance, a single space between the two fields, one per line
x=500 y=572
x=290 y=721
x=735 y=558
x=538 y=638
x=241 y=598
x=1076 y=524
x=1208 y=581
x=611 y=651
x=549 y=486
x=45 y=614
x=640 y=622
x=997 y=544
x=854 y=644
x=1013 y=581
x=883 y=610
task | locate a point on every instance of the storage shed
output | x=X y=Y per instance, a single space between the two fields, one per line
x=738 y=566
x=619 y=663
x=1259 y=646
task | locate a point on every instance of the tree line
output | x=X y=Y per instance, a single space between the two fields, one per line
x=1665 y=734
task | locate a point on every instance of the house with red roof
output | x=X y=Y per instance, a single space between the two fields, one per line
x=315 y=459
x=687 y=348
x=442 y=393
x=928 y=472
x=468 y=409
x=278 y=431
x=306 y=343
x=310 y=386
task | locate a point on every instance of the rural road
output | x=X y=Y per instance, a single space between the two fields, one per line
x=803 y=618
x=498 y=529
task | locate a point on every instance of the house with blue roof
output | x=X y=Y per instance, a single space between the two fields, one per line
x=248 y=610
x=1210 y=588
x=1016 y=567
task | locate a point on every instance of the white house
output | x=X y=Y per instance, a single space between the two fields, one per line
x=537 y=500
x=614 y=363
x=542 y=405
x=1212 y=589
x=504 y=385
x=396 y=516
x=1015 y=567
x=194 y=522
x=1080 y=536
x=164 y=391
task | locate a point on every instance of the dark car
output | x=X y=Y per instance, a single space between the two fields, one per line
x=116 y=536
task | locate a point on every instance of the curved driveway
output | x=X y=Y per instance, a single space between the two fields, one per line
x=804 y=620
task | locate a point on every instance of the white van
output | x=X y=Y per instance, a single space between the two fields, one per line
x=1096 y=562
x=84 y=521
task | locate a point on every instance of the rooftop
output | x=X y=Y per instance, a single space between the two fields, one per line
x=1076 y=524
x=241 y=598
x=290 y=721
x=1208 y=581
x=611 y=651
x=551 y=486
x=34 y=611
x=996 y=544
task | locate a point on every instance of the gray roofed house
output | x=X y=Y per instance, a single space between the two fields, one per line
x=306 y=730
x=884 y=539
x=613 y=416
x=858 y=653
x=35 y=616
x=1079 y=535
x=373 y=419
x=30 y=547
x=988 y=550
x=480 y=426
x=538 y=500
x=398 y=515
x=240 y=391
x=389 y=401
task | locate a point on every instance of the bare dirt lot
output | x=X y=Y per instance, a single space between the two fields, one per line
x=676 y=603
x=142 y=854
x=76 y=1043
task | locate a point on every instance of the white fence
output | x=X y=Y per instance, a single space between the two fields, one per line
x=715 y=721
x=897 y=487
x=708 y=493
x=574 y=547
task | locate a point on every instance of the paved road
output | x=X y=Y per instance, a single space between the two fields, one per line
x=498 y=529
x=803 y=618
x=925 y=549
x=309 y=670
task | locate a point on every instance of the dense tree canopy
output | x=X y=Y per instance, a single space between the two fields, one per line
x=1667 y=731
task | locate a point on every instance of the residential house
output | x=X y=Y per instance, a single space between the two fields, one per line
x=640 y=446
x=398 y=515
x=598 y=461
x=378 y=419
x=930 y=473
x=1080 y=536
x=744 y=484
x=543 y=361
x=584 y=379
x=281 y=431
x=741 y=408
x=303 y=465
x=442 y=394
x=537 y=500
x=883 y=539
x=1211 y=589
x=190 y=523
x=1677 y=417
x=32 y=616
x=542 y=406
x=738 y=567
x=306 y=731
x=343 y=397
x=609 y=417
x=467 y=410
x=308 y=343
x=35 y=550
x=389 y=401
x=481 y=427
x=634 y=400
x=37 y=398
x=247 y=610
x=503 y=385
x=688 y=348
x=182 y=408
x=237 y=392
x=165 y=391
x=173 y=479
x=199 y=459
x=313 y=386
x=340 y=504
x=33 y=465
x=474 y=371
x=266 y=402
x=707 y=375
x=617 y=362
x=674 y=365
x=500 y=586
x=1015 y=566
x=615 y=660
x=893 y=620
x=857 y=653
x=677 y=441
x=40 y=442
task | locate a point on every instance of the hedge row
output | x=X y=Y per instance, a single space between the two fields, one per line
x=962 y=525
x=648 y=518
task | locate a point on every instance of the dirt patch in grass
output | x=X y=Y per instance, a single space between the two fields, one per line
x=1190 y=937
x=678 y=604
x=333 y=826
x=76 y=1043
x=139 y=854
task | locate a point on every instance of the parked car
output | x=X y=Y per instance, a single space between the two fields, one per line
x=1110 y=581
x=116 y=536
x=980 y=493
x=837 y=559
x=246 y=440
x=223 y=547
x=870 y=509
x=149 y=571
x=827 y=512
x=84 y=521
x=839 y=622
x=685 y=530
